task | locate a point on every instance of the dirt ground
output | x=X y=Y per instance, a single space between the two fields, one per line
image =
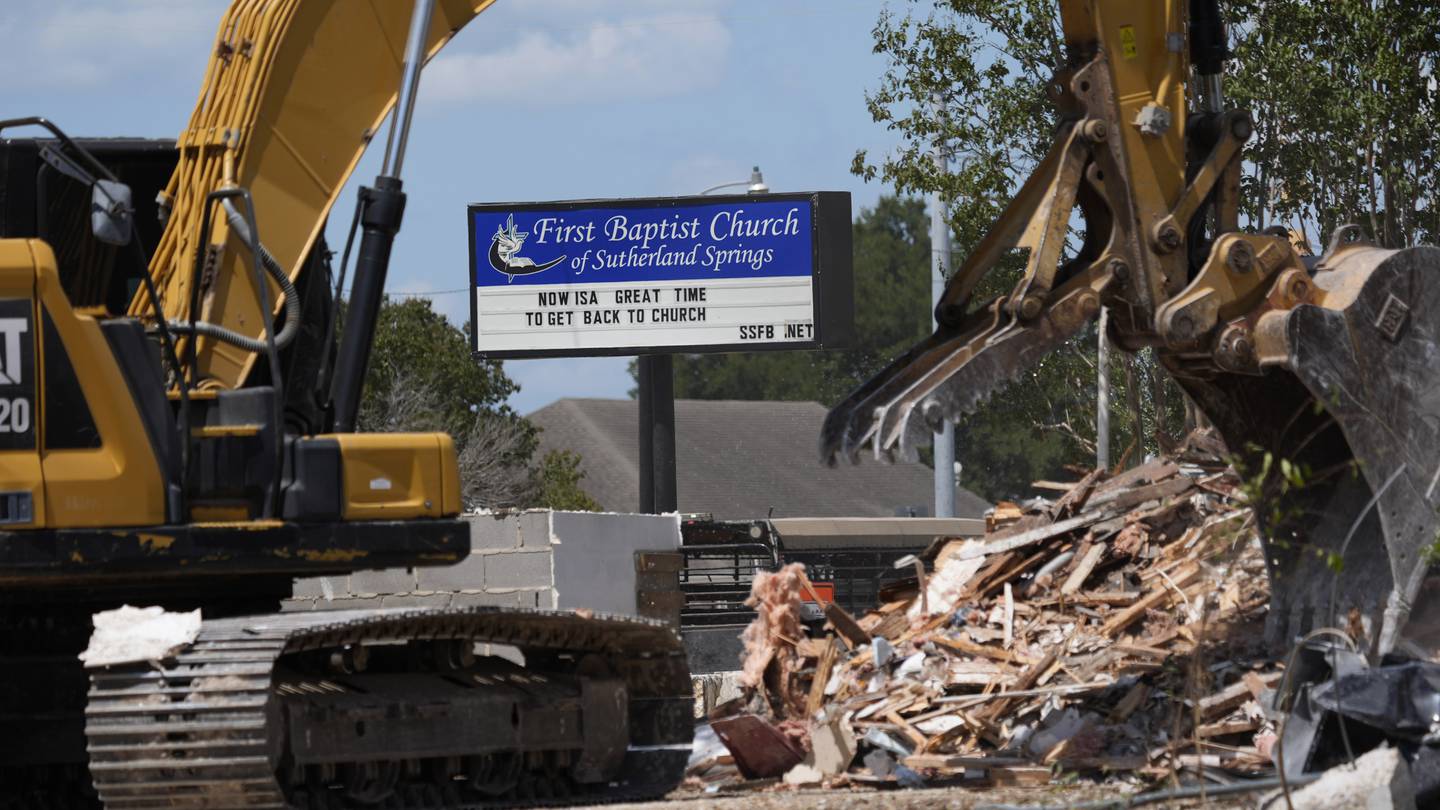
x=959 y=798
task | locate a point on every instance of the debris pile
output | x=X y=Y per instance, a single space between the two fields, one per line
x=1114 y=630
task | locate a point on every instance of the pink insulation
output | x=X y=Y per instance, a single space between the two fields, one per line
x=772 y=636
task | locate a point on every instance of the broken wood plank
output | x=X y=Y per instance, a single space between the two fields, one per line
x=1225 y=728
x=1128 y=704
x=1123 y=500
x=845 y=624
x=1018 y=775
x=908 y=730
x=1255 y=684
x=1233 y=696
x=1158 y=596
x=968 y=647
x=1074 y=500
x=1010 y=542
x=1009 y=616
x=953 y=762
x=1083 y=570
x=823 y=668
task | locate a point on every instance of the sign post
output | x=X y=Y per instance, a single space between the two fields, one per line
x=656 y=397
x=656 y=277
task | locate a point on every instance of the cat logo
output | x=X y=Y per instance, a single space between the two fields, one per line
x=11 y=341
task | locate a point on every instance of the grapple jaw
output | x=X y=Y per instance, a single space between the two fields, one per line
x=1352 y=409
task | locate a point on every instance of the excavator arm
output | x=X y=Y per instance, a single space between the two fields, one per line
x=1124 y=178
x=1320 y=364
x=293 y=95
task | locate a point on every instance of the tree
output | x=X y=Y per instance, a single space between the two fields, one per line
x=1346 y=108
x=422 y=378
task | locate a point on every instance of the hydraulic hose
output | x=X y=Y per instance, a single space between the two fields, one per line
x=272 y=267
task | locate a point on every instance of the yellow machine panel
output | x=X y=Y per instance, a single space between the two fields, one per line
x=396 y=476
x=91 y=464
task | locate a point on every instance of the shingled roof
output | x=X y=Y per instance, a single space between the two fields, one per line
x=737 y=460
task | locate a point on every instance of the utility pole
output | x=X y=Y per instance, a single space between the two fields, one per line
x=1102 y=395
x=939 y=270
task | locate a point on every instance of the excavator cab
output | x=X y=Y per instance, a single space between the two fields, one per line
x=97 y=433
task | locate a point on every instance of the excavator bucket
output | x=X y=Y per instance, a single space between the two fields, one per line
x=1341 y=435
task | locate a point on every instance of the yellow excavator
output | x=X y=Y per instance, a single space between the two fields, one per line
x=1327 y=365
x=177 y=429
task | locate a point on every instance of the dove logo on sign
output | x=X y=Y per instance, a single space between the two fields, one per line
x=505 y=252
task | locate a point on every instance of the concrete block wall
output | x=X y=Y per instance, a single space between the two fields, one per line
x=531 y=559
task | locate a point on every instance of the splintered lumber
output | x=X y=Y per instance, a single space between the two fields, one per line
x=845 y=624
x=1226 y=728
x=1027 y=679
x=968 y=647
x=946 y=762
x=1032 y=536
x=823 y=667
x=907 y=729
x=1233 y=696
x=1128 y=704
x=1055 y=638
x=1018 y=775
x=1157 y=596
x=1074 y=500
x=1083 y=570
x=1128 y=499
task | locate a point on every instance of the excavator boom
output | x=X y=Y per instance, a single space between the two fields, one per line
x=293 y=95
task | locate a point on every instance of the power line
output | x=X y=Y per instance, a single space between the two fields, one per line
x=421 y=294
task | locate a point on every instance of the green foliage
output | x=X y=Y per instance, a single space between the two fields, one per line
x=415 y=345
x=559 y=479
x=422 y=377
x=1346 y=110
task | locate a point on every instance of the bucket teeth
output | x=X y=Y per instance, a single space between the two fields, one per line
x=942 y=378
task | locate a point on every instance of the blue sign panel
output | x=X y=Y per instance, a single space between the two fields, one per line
x=633 y=276
x=750 y=239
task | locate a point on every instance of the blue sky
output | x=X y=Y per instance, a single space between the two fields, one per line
x=534 y=100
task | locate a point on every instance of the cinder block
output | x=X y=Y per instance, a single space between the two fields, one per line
x=382 y=581
x=505 y=599
x=517 y=569
x=307 y=588
x=434 y=600
x=348 y=603
x=468 y=574
x=535 y=529
x=490 y=532
x=537 y=598
x=295 y=605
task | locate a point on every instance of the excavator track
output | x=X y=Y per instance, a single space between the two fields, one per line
x=289 y=710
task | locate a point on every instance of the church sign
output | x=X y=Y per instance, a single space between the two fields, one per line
x=666 y=275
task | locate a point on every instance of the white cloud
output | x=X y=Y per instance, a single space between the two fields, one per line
x=94 y=44
x=637 y=58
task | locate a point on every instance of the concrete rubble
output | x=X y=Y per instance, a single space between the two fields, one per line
x=1379 y=780
x=1112 y=633
x=129 y=634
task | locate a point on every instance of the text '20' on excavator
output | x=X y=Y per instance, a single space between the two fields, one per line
x=177 y=429
x=1328 y=364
